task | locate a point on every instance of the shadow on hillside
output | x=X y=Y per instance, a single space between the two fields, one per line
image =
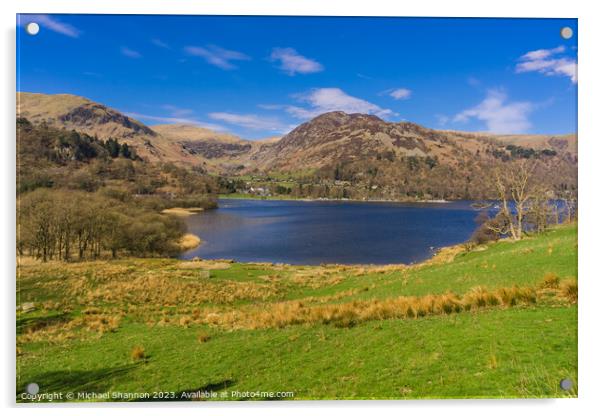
x=38 y=322
x=98 y=381
x=193 y=394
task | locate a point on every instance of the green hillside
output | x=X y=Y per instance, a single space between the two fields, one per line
x=497 y=321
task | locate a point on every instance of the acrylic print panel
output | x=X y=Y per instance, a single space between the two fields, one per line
x=295 y=208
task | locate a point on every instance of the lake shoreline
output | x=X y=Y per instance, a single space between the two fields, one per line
x=276 y=198
x=380 y=232
x=182 y=212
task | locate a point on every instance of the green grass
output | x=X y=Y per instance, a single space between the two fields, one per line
x=503 y=264
x=521 y=351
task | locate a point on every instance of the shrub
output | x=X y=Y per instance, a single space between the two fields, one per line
x=550 y=281
x=475 y=298
x=185 y=321
x=483 y=235
x=508 y=296
x=568 y=289
x=138 y=353
x=203 y=337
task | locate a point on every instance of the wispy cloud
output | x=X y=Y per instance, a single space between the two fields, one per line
x=400 y=93
x=176 y=120
x=473 y=81
x=547 y=61
x=442 y=119
x=217 y=56
x=323 y=100
x=500 y=115
x=177 y=111
x=292 y=62
x=251 y=121
x=52 y=23
x=130 y=53
x=159 y=43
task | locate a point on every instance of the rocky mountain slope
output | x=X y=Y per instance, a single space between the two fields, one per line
x=392 y=158
x=77 y=113
x=218 y=152
x=359 y=149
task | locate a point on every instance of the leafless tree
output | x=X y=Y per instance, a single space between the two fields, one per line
x=514 y=189
x=539 y=208
x=569 y=199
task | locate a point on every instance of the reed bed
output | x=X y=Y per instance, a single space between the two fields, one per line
x=348 y=314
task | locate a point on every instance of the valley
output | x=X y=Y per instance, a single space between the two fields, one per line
x=335 y=155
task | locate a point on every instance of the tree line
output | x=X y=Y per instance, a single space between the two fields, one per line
x=79 y=197
x=68 y=225
x=61 y=146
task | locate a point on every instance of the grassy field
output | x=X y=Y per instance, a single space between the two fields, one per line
x=497 y=321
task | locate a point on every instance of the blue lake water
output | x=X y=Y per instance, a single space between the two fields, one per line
x=304 y=232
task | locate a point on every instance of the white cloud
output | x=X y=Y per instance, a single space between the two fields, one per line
x=217 y=56
x=177 y=115
x=542 y=53
x=323 y=100
x=177 y=111
x=442 y=119
x=250 y=121
x=271 y=106
x=499 y=115
x=159 y=43
x=53 y=24
x=130 y=53
x=545 y=61
x=292 y=62
x=176 y=120
x=400 y=93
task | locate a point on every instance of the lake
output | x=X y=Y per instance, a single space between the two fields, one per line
x=315 y=232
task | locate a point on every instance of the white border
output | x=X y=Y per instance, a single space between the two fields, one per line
x=590 y=152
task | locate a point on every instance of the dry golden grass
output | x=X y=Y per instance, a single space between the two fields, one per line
x=167 y=292
x=138 y=353
x=206 y=264
x=189 y=241
x=59 y=330
x=101 y=323
x=185 y=321
x=569 y=290
x=348 y=314
x=550 y=281
x=162 y=290
x=445 y=255
x=182 y=212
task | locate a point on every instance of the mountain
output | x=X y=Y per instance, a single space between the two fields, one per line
x=192 y=133
x=218 y=152
x=340 y=138
x=77 y=113
x=334 y=150
x=563 y=142
x=387 y=159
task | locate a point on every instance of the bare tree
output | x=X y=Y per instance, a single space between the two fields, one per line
x=514 y=190
x=540 y=210
x=569 y=200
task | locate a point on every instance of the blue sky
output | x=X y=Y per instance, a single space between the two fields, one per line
x=261 y=76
